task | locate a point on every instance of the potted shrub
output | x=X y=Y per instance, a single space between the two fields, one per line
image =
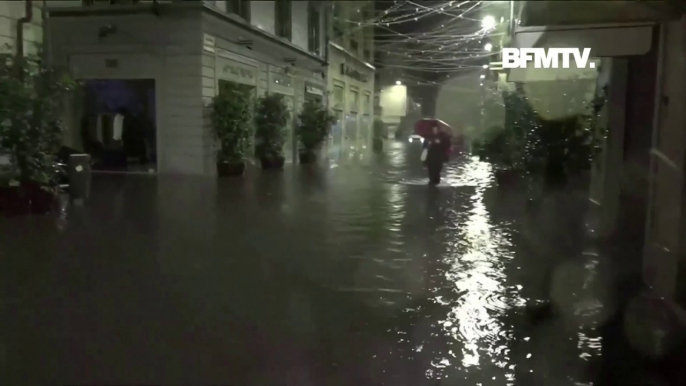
x=501 y=148
x=314 y=123
x=380 y=133
x=31 y=133
x=270 y=136
x=231 y=113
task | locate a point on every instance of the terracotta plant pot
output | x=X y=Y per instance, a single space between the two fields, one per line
x=26 y=199
x=273 y=162
x=42 y=200
x=307 y=157
x=230 y=170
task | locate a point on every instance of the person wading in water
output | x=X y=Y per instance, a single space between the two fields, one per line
x=437 y=147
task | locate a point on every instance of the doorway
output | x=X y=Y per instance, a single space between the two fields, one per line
x=118 y=124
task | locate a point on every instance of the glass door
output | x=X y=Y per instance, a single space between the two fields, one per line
x=351 y=133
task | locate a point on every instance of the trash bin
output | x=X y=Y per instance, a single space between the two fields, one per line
x=79 y=172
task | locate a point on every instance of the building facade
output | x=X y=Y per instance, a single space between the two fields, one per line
x=185 y=51
x=637 y=186
x=10 y=13
x=350 y=78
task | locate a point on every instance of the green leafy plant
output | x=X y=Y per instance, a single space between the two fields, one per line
x=31 y=127
x=314 y=124
x=380 y=129
x=231 y=117
x=271 y=120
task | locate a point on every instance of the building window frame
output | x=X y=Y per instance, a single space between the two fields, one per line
x=314 y=28
x=239 y=7
x=354 y=99
x=283 y=12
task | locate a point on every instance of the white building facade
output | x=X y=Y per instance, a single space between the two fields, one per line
x=189 y=49
x=350 y=79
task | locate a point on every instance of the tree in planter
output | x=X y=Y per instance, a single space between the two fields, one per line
x=271 y=121
x=313 y=128
x=31 y=131
x=231 y=117
x=558 y=148
x=380 y=132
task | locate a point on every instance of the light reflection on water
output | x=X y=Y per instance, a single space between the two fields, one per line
x=475 y=259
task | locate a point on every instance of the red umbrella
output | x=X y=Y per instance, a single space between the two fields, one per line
x=425 y=127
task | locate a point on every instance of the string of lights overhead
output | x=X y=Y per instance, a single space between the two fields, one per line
x=440 y=37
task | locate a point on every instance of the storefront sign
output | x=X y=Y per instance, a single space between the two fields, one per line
x=239 y=72
x=282 y=80
x=313 y=89
x=353 y=73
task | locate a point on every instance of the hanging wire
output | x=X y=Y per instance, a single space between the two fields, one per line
x=454 y=44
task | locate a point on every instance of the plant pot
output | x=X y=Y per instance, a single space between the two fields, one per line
x=307 y=157
x=14 y=201
x=42 y=200
x=230 y=169
x=273 y=162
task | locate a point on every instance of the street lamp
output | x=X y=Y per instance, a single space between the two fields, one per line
x=488 y=47
x=485 y=66
x=482 y=76
x=488 y=22
x=398 y=82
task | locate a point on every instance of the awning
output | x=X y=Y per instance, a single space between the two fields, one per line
x=547 y=13
x=604 y=41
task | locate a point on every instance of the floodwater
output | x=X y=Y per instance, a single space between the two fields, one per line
x=350 y=274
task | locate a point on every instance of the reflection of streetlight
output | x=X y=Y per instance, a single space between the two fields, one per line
x=398 y=82
x=488 y=47
x=485 y=65
x=488 y=22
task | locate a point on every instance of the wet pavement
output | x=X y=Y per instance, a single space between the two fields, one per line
x=350 y=274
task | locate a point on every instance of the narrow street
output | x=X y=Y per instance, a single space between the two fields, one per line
x=359 y=274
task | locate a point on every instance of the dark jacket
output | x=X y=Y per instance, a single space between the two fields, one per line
x=438 y=148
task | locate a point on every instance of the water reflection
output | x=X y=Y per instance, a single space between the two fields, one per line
x=358 y=274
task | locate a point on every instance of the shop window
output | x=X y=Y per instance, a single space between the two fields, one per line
x=338 y=96
x=283 y=18
x=239 y=7
x=354 y=100
x=367 y=101
x=314 y=28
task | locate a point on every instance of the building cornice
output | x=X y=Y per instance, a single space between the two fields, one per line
x=350 y=54
x=160 y=9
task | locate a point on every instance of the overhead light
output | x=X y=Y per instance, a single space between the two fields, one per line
x=485 y=65
x=398 y=82
x=481 y=84
x=482 y=76
x=488 y=22
x=488 y=47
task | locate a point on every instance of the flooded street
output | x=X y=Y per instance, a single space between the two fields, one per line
x=356 y=274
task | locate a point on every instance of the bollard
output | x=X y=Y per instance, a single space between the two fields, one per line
x=79 y=172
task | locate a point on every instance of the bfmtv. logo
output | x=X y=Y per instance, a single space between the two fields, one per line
x=547 y=58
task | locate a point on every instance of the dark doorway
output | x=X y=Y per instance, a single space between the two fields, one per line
x=118 y=125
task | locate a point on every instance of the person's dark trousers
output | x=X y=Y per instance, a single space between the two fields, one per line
x=435 y=172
